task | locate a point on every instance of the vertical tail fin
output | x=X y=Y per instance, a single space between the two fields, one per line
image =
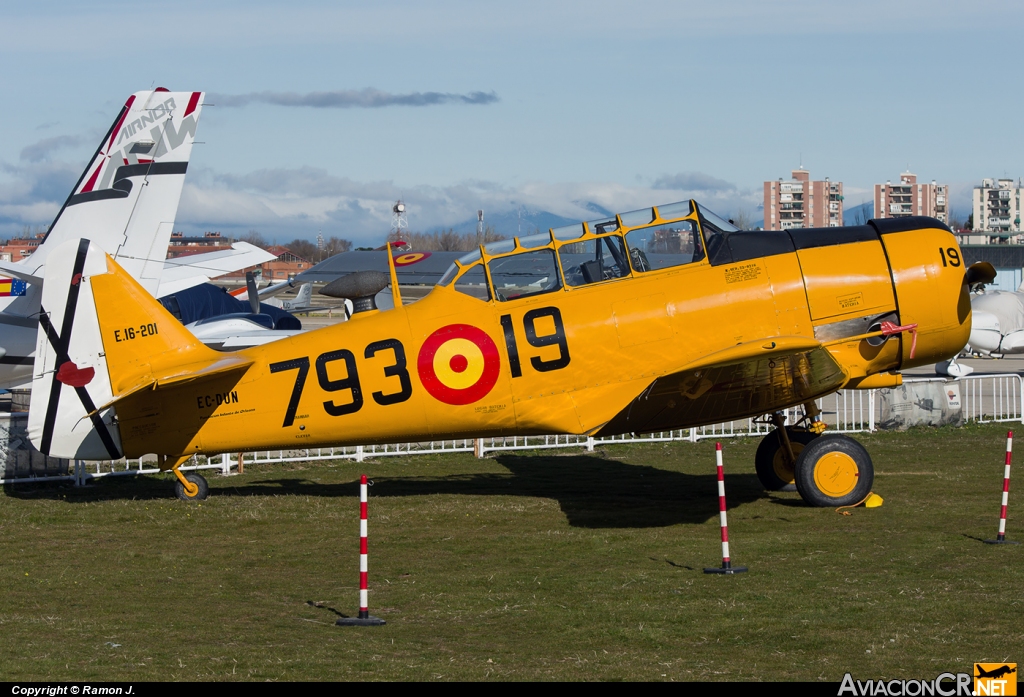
x=127 y=197
x=103 y=337
x=304 y=297
x=70 y=377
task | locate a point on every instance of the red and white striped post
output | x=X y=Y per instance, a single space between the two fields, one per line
x=727 y=567
x=364 y=619
x=1001 y=537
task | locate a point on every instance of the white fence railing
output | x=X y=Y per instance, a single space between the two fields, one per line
x=984 y=398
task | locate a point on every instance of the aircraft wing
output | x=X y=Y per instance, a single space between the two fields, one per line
x=19 y=271
x=414 y=268
x=185 y=272
x=749 y=379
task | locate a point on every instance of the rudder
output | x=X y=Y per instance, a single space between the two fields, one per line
x=69 y=377
x=102 y=337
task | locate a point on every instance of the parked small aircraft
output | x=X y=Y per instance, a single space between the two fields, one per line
x=657 y=319
x=125 y=202
x=998 y=326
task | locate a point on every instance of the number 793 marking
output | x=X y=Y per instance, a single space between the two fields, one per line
x=399 y=369
x=350 y=382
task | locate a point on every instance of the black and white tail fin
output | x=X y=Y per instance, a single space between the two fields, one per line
x=70 y=377
x=127 y=197
x=103 y=339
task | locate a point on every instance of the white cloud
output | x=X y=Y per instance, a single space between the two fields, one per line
x=368 y=98
x=287 y=203
x=42 y=149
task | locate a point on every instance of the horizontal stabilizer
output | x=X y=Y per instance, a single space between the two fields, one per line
x=181 y=374
x=185 y=272
x=101 y=338
x=13 y=270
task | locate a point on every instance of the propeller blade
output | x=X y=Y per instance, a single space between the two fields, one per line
x=980 y=272
x=254 y=294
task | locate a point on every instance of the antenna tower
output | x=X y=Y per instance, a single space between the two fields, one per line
x=480 y=224
x=399 y=222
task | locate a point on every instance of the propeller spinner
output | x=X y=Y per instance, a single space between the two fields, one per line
x=359 y=287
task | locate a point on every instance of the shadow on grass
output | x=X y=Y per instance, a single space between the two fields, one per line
x=592 y=492
x=321 y=606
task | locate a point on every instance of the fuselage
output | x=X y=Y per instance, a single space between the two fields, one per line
x=566 y=348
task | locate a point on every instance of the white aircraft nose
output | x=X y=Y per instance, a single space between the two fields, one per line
x=985 y=334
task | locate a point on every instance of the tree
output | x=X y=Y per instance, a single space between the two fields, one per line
x=253 y=237
x=741 y=219
x=303 y=248
x=861 y=217
x=336 y=245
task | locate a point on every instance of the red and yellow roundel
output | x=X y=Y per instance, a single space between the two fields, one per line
x=458 y=364
x=410 y=258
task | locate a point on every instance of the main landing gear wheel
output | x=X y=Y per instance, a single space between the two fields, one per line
x=834 y=470
x=772 y=463
x=201 y=488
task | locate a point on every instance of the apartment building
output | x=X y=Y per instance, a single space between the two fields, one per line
x=18 y=248
x=182 y=246
x=996 y=206
x=907 y=198
x=800 y=202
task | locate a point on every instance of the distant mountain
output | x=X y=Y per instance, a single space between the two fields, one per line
x=524 y=221
x=858 y=215
x=528 y=222
x=599 y=211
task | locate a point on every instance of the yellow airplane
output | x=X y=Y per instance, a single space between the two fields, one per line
x=662 y=318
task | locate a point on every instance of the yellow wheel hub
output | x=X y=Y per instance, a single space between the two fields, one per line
x=835 y=474
x=191 y=488
x=784 y=469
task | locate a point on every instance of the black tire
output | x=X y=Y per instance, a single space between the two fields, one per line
x=834 y=471
x=770 y=460
x=199 y=481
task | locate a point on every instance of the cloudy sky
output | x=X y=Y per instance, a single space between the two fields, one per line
x=326 y=112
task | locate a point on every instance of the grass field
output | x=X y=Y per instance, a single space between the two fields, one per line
x=557 y=565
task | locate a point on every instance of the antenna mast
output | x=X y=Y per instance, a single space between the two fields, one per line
x=399 y=222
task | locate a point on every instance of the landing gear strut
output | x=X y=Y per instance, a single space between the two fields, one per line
x=189 y=487
x=775 y=461
x=827 y=470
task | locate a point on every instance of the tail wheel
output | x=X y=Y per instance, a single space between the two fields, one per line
x=772 y=463
x=834 y=471
x=202 y=489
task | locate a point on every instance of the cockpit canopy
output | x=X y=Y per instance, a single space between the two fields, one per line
x=589 y=252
